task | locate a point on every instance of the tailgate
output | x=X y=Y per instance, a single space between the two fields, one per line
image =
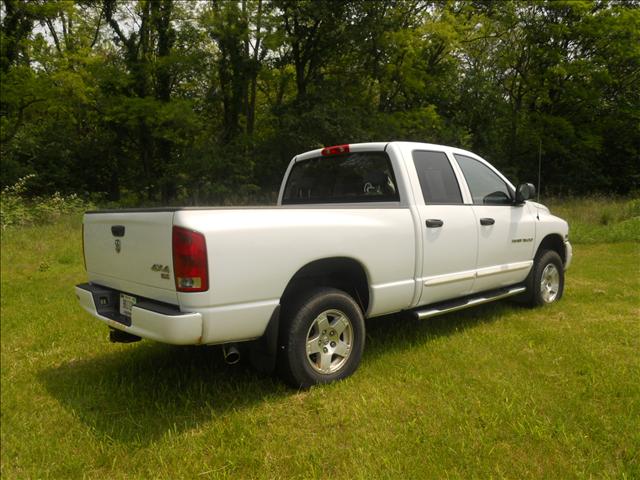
x=131 y=252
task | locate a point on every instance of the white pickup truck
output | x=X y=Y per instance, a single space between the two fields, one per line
x=359 y=231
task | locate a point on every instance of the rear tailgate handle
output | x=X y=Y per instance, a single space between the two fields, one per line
x=117 y=230
x=487 y=221
x=434 y=223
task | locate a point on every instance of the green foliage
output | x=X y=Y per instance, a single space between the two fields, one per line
x=171 y=101
x=18 y=209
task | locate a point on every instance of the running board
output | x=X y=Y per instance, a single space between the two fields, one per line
x=466 y=302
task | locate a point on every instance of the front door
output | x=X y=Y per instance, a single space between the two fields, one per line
x=506 y=231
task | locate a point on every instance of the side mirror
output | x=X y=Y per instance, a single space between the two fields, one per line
x=524 y=192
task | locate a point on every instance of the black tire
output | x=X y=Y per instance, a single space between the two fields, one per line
x=536 y=295
x=302 y=320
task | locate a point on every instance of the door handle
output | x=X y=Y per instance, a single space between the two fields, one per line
x=434 y=223
x=487 y=221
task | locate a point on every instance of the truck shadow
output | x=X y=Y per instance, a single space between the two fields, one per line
x=401 y=331
x=143 y=391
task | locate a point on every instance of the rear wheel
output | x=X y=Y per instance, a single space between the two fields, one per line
x=323 y=338
x=545 y=283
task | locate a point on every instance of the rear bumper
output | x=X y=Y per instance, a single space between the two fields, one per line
x=155 y=321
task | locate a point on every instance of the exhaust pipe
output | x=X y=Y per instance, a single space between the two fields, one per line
x=231 y=353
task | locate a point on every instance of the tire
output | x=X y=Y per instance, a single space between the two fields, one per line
x=322 y=338
x=545 y=283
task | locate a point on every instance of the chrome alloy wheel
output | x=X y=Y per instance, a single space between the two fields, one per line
x=549 y=283
x=329 y=341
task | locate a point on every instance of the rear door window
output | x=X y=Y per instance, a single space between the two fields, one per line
x=437 y=180
x=350 y=178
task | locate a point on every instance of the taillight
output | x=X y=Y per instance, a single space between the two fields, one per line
x=335 y=150
x=190 y=260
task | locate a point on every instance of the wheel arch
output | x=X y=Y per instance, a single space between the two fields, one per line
x=343 y=273
x=555 y=242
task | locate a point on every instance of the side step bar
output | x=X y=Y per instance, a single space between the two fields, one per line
x=466 y=302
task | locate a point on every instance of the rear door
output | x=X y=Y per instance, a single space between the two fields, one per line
x=449 y=229
x=507 y=231
x=131 y=252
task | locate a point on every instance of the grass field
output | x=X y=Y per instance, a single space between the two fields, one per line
x=498 y=391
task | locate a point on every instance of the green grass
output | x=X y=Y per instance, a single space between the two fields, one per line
x=599 y=219
x=498 y=391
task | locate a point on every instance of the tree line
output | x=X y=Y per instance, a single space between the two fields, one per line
x=173 y=101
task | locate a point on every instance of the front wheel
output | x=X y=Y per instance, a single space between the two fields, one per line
x=545 y=283
x=322 y=338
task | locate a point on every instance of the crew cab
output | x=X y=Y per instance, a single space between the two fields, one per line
x=359 y=231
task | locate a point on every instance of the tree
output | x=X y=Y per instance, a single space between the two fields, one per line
x=171 y=101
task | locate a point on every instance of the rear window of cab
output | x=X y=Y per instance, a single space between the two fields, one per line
x=355 y=177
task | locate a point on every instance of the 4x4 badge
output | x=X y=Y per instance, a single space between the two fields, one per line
x=163 y=269
x=118 y=245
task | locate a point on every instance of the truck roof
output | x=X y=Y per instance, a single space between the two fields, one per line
x=382 y=146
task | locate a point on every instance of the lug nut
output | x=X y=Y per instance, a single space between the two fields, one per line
x=333 y=344
x=325 y=349
x=332 y=333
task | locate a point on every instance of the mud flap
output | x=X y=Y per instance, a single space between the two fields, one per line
x=263 y=352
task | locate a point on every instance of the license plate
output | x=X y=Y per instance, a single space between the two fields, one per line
x=126 y=302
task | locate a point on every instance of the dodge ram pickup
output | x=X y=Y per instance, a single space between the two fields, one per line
x=359 y=231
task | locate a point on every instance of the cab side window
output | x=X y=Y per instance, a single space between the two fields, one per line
x=437 y=180
x=486 y=187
